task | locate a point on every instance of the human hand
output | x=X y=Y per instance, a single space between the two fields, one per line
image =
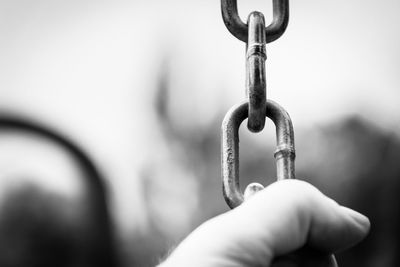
x=289 y=223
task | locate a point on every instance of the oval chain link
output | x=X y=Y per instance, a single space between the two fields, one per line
x=240 y=30
x=255 y=72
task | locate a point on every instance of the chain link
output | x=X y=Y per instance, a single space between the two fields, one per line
x=255 y=72
x=240 y=30
x=284 y=153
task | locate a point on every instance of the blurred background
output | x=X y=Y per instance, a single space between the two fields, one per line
x=110 y=113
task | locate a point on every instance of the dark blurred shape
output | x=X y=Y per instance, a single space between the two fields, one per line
x=35 y=233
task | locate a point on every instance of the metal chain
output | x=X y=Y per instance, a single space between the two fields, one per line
x=257 y=107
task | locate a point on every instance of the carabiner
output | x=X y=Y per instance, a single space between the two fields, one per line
x=284 y=154
x=239 y=29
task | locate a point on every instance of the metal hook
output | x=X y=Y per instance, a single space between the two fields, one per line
x=284 y=154
x=239 y=29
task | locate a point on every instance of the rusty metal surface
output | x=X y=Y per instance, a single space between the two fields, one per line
x=239 y=29
x=284 y=154
x=255 y=72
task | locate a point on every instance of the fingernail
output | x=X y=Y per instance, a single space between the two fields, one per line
x=252 y=189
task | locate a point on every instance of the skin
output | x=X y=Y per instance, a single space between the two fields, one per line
x=289 y=223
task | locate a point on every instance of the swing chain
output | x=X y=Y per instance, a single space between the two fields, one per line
x=257 y=107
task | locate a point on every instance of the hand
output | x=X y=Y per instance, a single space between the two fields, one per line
x=289 y=223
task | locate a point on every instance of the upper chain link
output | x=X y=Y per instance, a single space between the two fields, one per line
x=240 y=30
x=255 y=72
x=256 y=36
